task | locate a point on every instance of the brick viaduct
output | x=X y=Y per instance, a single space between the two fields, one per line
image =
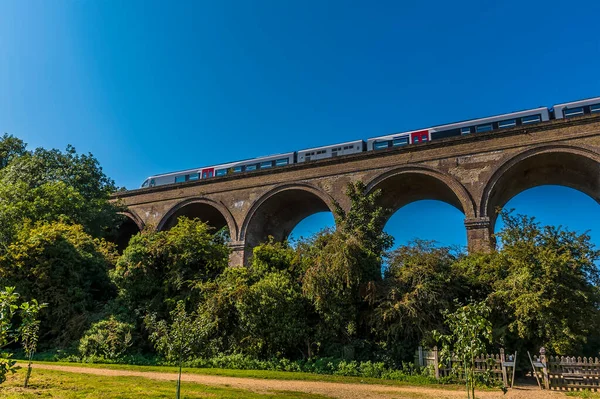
x=476 y=174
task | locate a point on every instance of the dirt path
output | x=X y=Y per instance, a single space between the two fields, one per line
x=330 y=389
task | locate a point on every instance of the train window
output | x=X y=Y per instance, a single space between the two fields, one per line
x=179 y=179
x=595 y=108
x=221 y=172
x=484 y=128
x=531 y=119
x=194 y=176
x=211 y=173
x=266 y=164
x=152 y=183
x=145 y=184
x=573 y=111
x=507 y=123
x=204 y=175
x=465 y=130
x=282 y=162
x=237 y=169
x=398 y=141
x=250 y=167
x=379 y=145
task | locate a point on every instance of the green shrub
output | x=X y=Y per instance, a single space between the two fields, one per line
x=107 y=339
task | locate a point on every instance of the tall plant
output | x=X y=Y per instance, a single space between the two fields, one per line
x=30 y=331
x=8 y=307
x=470 y=332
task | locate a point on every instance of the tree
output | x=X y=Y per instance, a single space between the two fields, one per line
x=158 y=269
x=29 y=331
x=51 y=185
x=469 y=334
x=420 y=283
x=8 y=307
x=107 y=339
x=63 y=266
x=176 y=339
x=345 y=265
x=545 y=284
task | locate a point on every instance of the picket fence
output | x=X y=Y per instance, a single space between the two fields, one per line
x=500 y=366
x=563 y=373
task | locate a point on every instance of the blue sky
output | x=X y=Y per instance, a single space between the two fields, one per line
x=151 y=87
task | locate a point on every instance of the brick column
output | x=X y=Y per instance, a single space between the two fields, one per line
x=479 y=235
x=238 y=255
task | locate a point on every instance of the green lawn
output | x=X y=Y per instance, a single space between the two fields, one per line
x=263 y=374
x=56 y=384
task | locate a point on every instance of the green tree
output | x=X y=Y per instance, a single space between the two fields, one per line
x=29 y=331
x=63 y=266
x=545 y=284
x=470 y=332
x=177 y=339
x=420 y=283
x=8 y=307
x=345 y=265
x=51 y=185
x=158 y=269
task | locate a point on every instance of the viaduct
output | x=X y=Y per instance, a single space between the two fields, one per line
x=477 y=174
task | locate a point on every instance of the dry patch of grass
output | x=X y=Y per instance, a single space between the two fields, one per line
x=57 y=384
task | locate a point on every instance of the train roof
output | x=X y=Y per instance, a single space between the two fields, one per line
x=331 y=145
x=584 y=101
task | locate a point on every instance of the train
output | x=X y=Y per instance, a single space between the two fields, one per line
x=473 y=126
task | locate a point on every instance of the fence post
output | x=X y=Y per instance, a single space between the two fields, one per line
x=421 y=356
x=502 y=361
x=544 y=361
x=436 y=362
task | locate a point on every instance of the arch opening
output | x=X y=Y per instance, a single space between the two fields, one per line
x=278 y=213
x=311 y=225
x=430 y=220
x=558 y=206
x=127 y=229
x=565 y=168
x=192 y=210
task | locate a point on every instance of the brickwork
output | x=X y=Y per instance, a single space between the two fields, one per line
x=475 y=173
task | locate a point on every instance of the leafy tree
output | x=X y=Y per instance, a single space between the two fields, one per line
x=419 y=284
x=29 y=331
x=158 y=269
x=107 y=339
x=176 y=339
x=63 y=266
x=51 y=185
x=341 y=274
x=545 y=284
x=470 y=333
x=8 y=307
x=259 y=310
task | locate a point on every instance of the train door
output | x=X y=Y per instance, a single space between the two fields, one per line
x=421 y=136
x=208 y=172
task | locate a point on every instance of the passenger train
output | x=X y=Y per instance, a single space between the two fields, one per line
x=492 y=123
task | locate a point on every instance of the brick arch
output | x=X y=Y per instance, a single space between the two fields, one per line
x=404 y=185
x=212 y=212
x=279 y=210
x=130 y=225
x=563 y=165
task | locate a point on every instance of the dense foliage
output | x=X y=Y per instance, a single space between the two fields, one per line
x=340 y=295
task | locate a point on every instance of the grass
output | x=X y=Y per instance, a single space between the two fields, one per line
x=57 y=384
x=584 y=394
x=263 y=374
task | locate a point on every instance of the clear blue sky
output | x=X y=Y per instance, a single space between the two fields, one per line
x=151 y=87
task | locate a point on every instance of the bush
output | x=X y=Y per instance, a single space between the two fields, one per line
x=108 y=339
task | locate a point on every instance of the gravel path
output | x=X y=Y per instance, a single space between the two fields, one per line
x=330 y=389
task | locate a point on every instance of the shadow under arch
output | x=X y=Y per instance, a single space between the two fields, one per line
x=404 y=185
x=569 y=166
x=278 y=211
x=130 y=226
x=212 y=212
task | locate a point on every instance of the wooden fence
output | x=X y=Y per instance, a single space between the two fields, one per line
x=499 y=366
x=563 y=373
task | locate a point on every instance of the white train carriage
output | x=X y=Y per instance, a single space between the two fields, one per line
x=480 y=125
x=577 y=108
x=249 y=165
x=330 y=151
